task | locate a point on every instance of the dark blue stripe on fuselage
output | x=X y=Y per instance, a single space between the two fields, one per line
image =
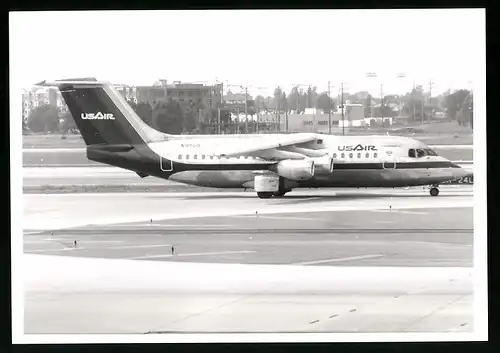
x=178 y=167
x=402 y=165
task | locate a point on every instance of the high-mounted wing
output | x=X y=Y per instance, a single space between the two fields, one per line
x=277 y=147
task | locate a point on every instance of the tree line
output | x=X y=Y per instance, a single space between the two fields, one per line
x=165 y=115
x=171 y=116
x=298 y=100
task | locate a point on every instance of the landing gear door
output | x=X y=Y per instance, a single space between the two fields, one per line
x=166 y=165
x=389 y=165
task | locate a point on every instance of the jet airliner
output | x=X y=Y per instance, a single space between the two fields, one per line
x=271 y=164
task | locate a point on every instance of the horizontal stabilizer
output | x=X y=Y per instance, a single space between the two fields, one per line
x=111 y=148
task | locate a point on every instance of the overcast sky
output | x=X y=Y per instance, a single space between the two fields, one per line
x=253 y=48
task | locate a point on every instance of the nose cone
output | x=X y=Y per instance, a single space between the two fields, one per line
x=459 y=172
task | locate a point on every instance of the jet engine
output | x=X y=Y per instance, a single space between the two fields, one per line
x=295 y=169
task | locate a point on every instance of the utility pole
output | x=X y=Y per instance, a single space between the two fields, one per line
x=238 y=120
x=382 y=102
x=413 y=100
x=246 y=111
x=422 y=108
x=218 y=121
x=286 y=117
x=257 y=123
x=329 y=111
x=278 y=110
x=430 y=97
x=342 y=106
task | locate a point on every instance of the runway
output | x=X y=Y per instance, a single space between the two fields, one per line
x=314 y=261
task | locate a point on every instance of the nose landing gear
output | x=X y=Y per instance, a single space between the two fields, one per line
x=434 y=190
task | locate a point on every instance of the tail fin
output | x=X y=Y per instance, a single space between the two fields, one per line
x=102 y=115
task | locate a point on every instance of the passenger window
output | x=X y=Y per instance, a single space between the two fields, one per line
x=195 y=156
x=180 y=156
x=187 y=156
x=202 y=156
x=350 y=155
x=246 y=157
x=334 y=155
x=367 y=155
x=411 y=153
x=359 y=155
x=374 y=155
x=342 y=155
x=420 y=153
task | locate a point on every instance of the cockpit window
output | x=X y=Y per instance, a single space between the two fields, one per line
x=430 y=152
x=420 y=153
x=411 y=153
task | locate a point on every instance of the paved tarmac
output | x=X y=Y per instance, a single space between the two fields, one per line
x=416 y=237
x=314 y=261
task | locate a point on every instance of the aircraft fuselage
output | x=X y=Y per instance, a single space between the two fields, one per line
x=359 y=161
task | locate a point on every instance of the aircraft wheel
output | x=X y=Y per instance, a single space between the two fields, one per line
x=264 y=195
x=434 y=191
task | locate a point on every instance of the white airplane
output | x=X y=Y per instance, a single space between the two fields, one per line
x=270 y=164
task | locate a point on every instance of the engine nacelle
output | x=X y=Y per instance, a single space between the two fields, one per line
x=295 y=169
x=266 y=183
x=323 y=165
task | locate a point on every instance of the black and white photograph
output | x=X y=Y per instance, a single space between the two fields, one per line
x=248 y=175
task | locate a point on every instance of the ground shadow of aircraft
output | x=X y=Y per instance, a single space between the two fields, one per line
x=305 y=197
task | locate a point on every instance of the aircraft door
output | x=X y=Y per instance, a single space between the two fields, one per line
x=389 y=162
x=166 y=165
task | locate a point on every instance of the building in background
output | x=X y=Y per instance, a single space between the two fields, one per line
x=39 y=96
x=316 y=120
x=206 y=97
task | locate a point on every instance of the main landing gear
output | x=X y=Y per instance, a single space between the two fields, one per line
x=265 y=195
x=268 y=195
x=434 y=190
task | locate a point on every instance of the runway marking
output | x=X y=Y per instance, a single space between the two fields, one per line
x=400 y=211
x=49 y=250
x=27 y=241
x=307 y=198
x=274 y=217
x=137 y=246
x=191 y=254
x=69 y=240
x=350 y=258
x=183 y=225
x=111 y=248
x=99 y=241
